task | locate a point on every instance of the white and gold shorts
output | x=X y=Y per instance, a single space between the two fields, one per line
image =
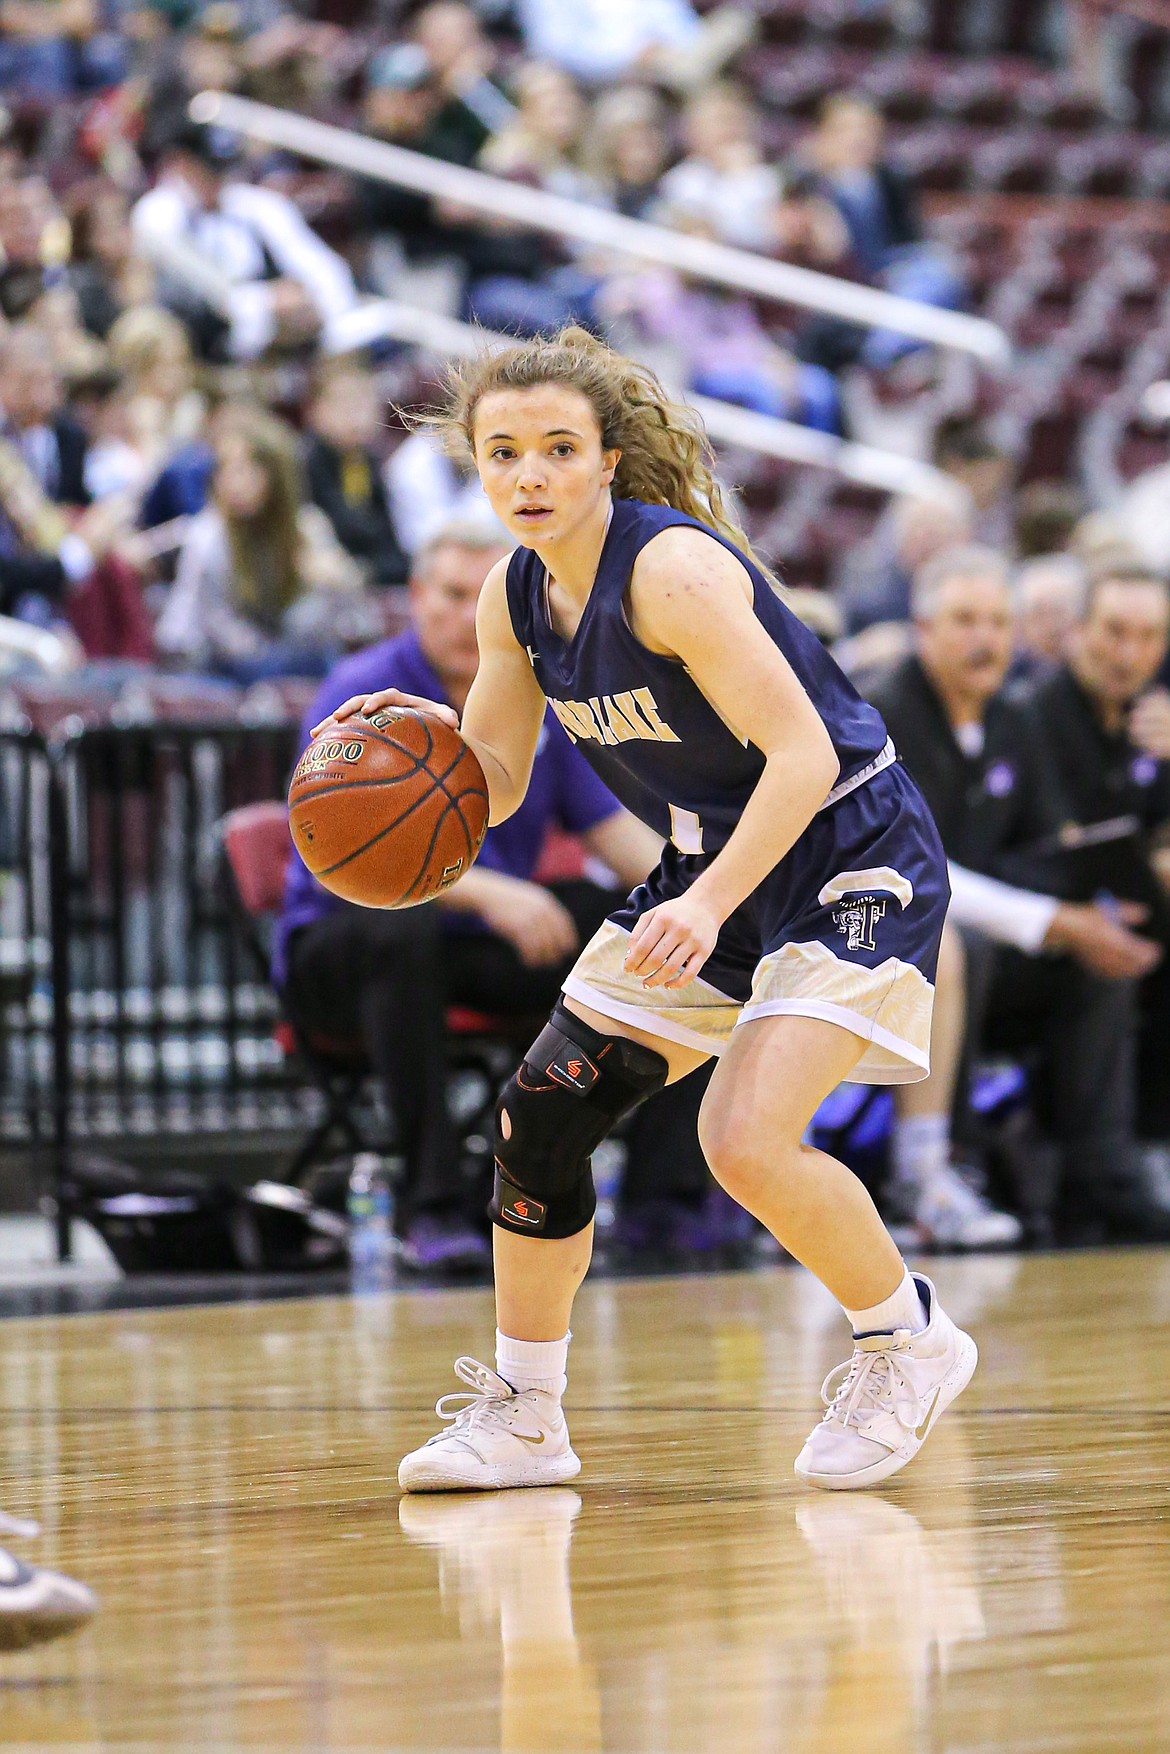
x=846 y=928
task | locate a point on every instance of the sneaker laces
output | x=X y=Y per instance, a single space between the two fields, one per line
x=484 y=1402
x=868 y=1383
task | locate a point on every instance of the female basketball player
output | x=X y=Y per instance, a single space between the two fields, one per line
x=792 y=926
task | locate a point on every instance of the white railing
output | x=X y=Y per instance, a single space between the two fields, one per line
x=560 y=217
x=384 y=319
x=22 y=645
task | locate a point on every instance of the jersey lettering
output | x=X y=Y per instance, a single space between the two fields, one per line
x=615 y=718
x=660 y=730
x=607 y=736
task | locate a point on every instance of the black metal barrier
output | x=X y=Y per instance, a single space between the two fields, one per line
x=128 y=1006
x=28 y=801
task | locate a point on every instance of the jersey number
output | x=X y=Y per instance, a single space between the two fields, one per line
x=686 y=831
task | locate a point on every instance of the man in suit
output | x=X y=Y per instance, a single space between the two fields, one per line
x=1105 y=727
x=1041 y=973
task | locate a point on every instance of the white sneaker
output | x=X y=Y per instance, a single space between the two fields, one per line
x=37 y=1605
x=952 y=1214
x=498 y=1438
x=882 y=1405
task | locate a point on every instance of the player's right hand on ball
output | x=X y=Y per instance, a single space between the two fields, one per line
x=367 y=704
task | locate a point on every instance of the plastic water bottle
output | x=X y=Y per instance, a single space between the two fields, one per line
x=370 y=1211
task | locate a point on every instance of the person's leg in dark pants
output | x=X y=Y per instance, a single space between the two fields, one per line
x=1092 y=1061
x=376 y=976
x=670 y=1204
x=981 y=958
x=665 y=1160
x=1154 y=1055
x=1084 y=1080
x=488 y=974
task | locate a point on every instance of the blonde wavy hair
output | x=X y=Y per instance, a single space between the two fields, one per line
x=265 y=548
x=665 y=453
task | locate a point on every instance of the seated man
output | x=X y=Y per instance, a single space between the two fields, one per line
x=498 y=942
x=1059 y=974
x=878 y=203
x=1106 y=729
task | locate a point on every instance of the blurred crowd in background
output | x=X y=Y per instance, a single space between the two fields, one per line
x=196 y=471
x=199 y=475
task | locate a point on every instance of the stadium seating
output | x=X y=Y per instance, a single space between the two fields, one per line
x=1045 y=201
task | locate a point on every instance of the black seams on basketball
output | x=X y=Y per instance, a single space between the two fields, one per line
x=388 y=811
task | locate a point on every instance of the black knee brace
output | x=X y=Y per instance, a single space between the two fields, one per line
x=572 y=1088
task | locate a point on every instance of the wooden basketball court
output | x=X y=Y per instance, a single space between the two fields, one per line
x=224 y=1477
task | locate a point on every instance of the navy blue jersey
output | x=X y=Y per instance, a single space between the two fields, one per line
x=641 y=721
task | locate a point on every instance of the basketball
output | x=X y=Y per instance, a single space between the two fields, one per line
x=390 y=810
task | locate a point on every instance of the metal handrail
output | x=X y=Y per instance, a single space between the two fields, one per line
x=382 y=319
x=561 y=217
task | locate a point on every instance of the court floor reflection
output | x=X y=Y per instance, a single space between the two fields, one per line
x=814 y=1623
x=224 y=1479
x=504 y=1567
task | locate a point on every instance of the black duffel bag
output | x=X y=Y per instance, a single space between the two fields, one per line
x=174 y=1221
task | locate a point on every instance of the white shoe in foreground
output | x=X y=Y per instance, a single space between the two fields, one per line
x=496 y=1439
x=37 y=1605
x=882 y=1405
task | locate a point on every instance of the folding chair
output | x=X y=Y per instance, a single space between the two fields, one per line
x=255 y=850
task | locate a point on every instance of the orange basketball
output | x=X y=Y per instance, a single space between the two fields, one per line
x=390 y=810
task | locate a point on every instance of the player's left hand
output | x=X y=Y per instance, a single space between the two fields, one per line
x=671 y=942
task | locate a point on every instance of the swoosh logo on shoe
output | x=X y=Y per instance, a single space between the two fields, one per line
x=921 y=1430
x=524 y=1438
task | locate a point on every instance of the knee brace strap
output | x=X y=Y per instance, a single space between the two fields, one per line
x=572 y=1088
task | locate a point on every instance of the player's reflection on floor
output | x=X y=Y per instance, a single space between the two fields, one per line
x=504 y=1561
x=904 y=1599
x=901 y=1594
x=848 y=1611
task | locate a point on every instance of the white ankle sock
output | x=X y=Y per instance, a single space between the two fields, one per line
x=533 y=1364
x=921 y=1149
x=902 y=1309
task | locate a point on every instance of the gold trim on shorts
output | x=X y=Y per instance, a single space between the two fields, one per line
x=888 y=1006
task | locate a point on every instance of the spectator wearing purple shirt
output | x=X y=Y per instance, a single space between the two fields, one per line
x=498 y=942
